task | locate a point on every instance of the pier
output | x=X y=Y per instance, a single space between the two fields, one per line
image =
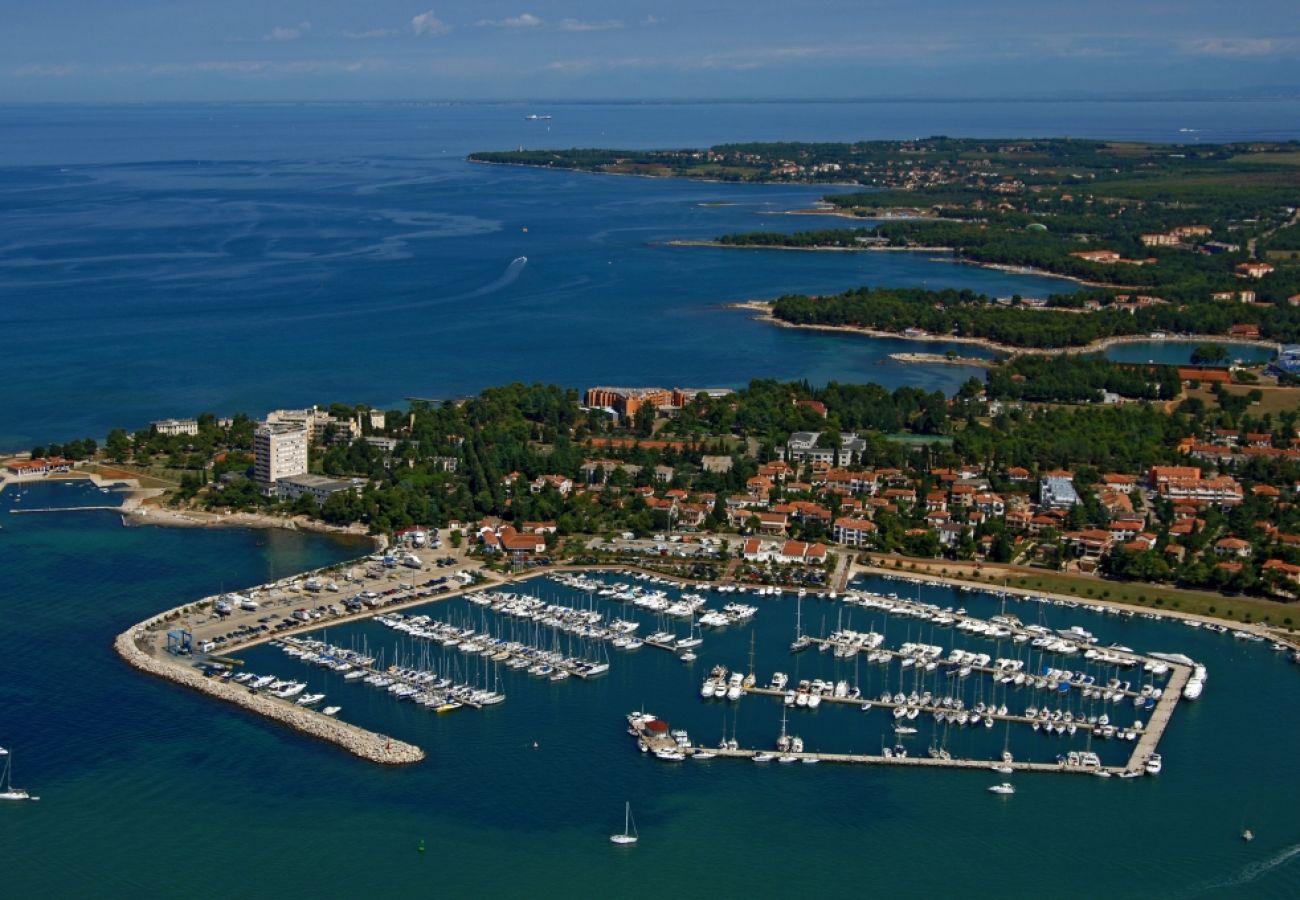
x=365 y=744
x=656 y=742
x=58 y=509
x=1160 y=716
x=868 y=759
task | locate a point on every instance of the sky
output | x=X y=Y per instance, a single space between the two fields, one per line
x=249 y=50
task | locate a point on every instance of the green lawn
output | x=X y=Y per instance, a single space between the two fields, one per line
x=1085 y=587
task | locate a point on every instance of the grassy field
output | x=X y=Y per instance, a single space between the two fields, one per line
x=1086 y=587
x=1276 y=399
x=154 y=477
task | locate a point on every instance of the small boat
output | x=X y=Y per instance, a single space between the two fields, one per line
x=10 y=792
x=688 y=656
x=1247 y=835
x=1003 y=770
x=629 y=835
x=764 y=757
x=1154 y=764
x=703 y=754
x=331 y=710
x=1003 y=788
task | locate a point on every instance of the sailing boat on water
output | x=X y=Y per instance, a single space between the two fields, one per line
x=10 y=792
x=629 y=835
x=801 y=641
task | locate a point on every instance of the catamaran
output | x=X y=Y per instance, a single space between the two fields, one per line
x=629 y=835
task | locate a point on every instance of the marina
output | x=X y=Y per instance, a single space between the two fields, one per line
x=1056 y=682
x=1193 y=812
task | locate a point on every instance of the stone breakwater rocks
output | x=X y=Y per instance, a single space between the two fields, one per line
x=358 y=741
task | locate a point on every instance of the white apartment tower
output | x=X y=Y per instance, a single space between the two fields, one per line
x=279 y=451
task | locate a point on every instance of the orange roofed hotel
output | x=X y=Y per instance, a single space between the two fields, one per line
x=626 y=401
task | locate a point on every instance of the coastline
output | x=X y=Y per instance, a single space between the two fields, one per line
x=137 y=509
x=523 y=165
x=722 y=246
x=357 y=741
x=939 y=359
x=996 y=267
x=955 y=579
x=762 y=312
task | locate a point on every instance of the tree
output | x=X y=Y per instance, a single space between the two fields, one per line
x=644 y=420
x=118 y=445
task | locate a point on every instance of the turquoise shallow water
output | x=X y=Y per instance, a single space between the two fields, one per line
x=151 y=791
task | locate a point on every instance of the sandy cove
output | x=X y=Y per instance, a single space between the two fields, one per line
x=763 y=313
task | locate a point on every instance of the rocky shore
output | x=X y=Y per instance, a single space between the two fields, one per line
x=357 y=741
x=761 y=311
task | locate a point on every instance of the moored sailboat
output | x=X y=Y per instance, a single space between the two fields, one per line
x=629 y=835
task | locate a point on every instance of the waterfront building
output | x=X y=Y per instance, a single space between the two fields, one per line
x=279 y=451
x=173 y=427
x=318 y=487
x=853 y=532
x=315 y=421
x=1287 y=361
x=29 y=468
x=624 y=401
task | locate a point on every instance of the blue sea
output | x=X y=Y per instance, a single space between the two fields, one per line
x=148 y=790
x=159 y=261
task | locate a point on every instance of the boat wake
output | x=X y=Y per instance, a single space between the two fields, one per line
x=507 y=278
x=504 y=280
x=1250 y=873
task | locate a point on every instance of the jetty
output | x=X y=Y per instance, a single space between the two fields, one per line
x=59 y=509
x=357 y=741
x=142 y=647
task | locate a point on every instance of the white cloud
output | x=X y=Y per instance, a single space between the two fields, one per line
x=429 y=24
x=1238 y=48
x=260 y=67
x=287 y=32
x=39 y=71
x=368 y=34
x=579 y=25
x=523 y=20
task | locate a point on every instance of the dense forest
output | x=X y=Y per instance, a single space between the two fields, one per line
x=967 y=314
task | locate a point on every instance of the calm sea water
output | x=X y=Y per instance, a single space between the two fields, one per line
x=160 y=261
x=164 y=260
x=149 y=790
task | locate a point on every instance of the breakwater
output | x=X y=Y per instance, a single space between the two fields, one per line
x=137 y=647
